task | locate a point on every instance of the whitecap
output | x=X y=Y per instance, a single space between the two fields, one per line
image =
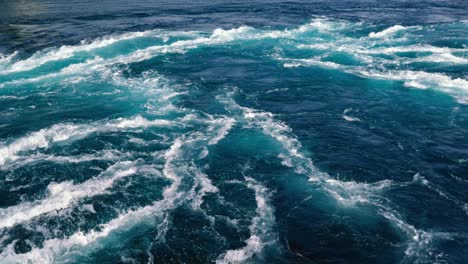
x=457 y=87
x=348 y=117
x=6 y=59
x=65 y=52
x=439 y=58
x=66 y=132
x=62 y=195
x=389 y=31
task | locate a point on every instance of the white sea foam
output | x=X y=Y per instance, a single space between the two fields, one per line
x=418 y=239
x=176 y=167
x=347 y=193
x=279 y=131
x=100 y=155
x=41 y=139
x=218 y=36
x=58 y=250
x=320 y=24
x=6 y=59
x=137 y=122
x=388 y=32
x=324 y=25
x=367 y=55
x=312 y=62
x=54 y=250
x=12 y=97
x=439 y=58
x=368 y=51
x=261 y=228
x=179 y=157
x=205 y=186
x=420 y=179
x=204 y=183
x=97 y=64
x=457 y=87
x=65 y=132
x=220 y=133
x=420 y=247
x=66 y=52
x=353 y=46
x=62 y=195
x=100 y=65
x=350 y=192
x=348 y=117
x=420 y=48
x=180 y=163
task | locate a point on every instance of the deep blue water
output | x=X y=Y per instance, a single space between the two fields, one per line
x=233 y=132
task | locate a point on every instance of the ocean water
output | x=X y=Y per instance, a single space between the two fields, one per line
x=233 y=132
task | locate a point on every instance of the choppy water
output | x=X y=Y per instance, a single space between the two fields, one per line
x=256 y=132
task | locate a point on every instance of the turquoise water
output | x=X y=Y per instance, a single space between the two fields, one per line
x=234 y=133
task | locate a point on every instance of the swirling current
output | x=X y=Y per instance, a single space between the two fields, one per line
x=245 y=132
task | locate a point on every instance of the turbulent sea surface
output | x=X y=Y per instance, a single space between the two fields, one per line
x=233 y=132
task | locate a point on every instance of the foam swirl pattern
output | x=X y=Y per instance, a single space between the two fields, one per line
x=334 y=140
